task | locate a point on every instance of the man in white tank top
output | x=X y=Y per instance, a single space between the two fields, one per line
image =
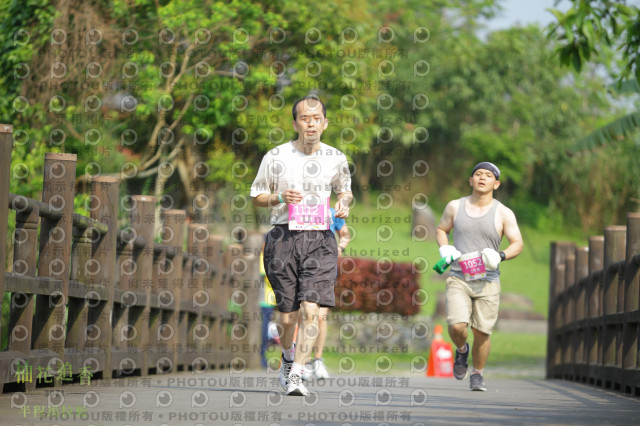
x=473 y=287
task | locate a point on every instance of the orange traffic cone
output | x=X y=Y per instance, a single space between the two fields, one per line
x=440 y=362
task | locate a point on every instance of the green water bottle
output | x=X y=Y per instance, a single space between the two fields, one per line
x=442 y=264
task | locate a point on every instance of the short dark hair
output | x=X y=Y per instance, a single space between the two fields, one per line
x=294 y=110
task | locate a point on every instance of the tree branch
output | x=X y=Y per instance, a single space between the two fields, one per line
x=72 y=130
x=153 y=139
x=182 y=112
x=183 y=68
x=168 y=85
x=159 y=152
x=151 y=155
x=154 y=170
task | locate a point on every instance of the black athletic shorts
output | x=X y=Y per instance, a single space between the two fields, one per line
x=301 y=265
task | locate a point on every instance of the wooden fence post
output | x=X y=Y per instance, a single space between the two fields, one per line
x=25 y=250
x=172 y=233
x=596 y=263
x=594 y=309
x=204 y=298
x=236 y=267
x=156 y=313
x=570 y=282
x=218 y=301
x=186 y=321
x=252 y=288
x=200 y=329
x=121 y=360
x=77 y=302
x=24 y=264
x=557 y=260
x=614 y=251
x=581 y=274
x=6 y=145
x=143 y=223
x=104 y=208
x=631 y=333
x=55 y=252
x=568 y=340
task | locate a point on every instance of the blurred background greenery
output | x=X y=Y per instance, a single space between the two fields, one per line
x=200 y=90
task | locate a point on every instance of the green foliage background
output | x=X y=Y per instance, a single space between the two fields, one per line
x=505 y=99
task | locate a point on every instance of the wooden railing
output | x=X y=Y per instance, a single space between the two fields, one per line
x=89 y=298
x=594 y=309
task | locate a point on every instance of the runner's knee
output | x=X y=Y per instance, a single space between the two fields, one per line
x=288 y=319
x=458 y=328
x=309 y=311
x=478 y=334
x=309 y=308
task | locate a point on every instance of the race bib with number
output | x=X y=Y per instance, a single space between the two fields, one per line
x=304 y=217
x=472 y=266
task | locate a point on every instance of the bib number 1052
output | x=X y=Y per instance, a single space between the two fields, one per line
x=472 y=266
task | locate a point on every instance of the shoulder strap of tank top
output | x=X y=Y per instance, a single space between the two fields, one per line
x=463 y=201
x=494 y=207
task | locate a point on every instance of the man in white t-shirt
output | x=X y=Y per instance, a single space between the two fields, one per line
x=295 y=180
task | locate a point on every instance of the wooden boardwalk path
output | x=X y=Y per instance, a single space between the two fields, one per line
x=254 y=398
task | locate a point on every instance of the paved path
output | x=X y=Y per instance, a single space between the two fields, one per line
x=251 y=398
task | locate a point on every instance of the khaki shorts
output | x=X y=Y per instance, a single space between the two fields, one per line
x=474 y=302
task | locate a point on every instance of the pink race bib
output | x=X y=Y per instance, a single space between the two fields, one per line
x=304 y=217
x=472 y=266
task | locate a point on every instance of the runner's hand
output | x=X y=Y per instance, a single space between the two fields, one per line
x=291 y=196
x=490 y=258
x=448 y=250
x=342 y=209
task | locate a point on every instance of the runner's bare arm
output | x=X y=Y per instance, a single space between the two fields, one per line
x=512 y=232
x=345 y=236
x=265 y=200
x=446 y=223
x=342 y=206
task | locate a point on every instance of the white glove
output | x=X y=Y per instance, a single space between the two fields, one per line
x=490 y=258
x=450 y=251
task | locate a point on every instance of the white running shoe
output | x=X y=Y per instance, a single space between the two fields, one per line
x=296 y=387
x=307 y=372
x=285 y=369
x=319 y=369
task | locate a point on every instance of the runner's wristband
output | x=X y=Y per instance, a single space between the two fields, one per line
x=280 y=198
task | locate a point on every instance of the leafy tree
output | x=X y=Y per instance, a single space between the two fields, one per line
x=589 y=27
x=181 y=99
x=21 y=38
x=586 y=32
